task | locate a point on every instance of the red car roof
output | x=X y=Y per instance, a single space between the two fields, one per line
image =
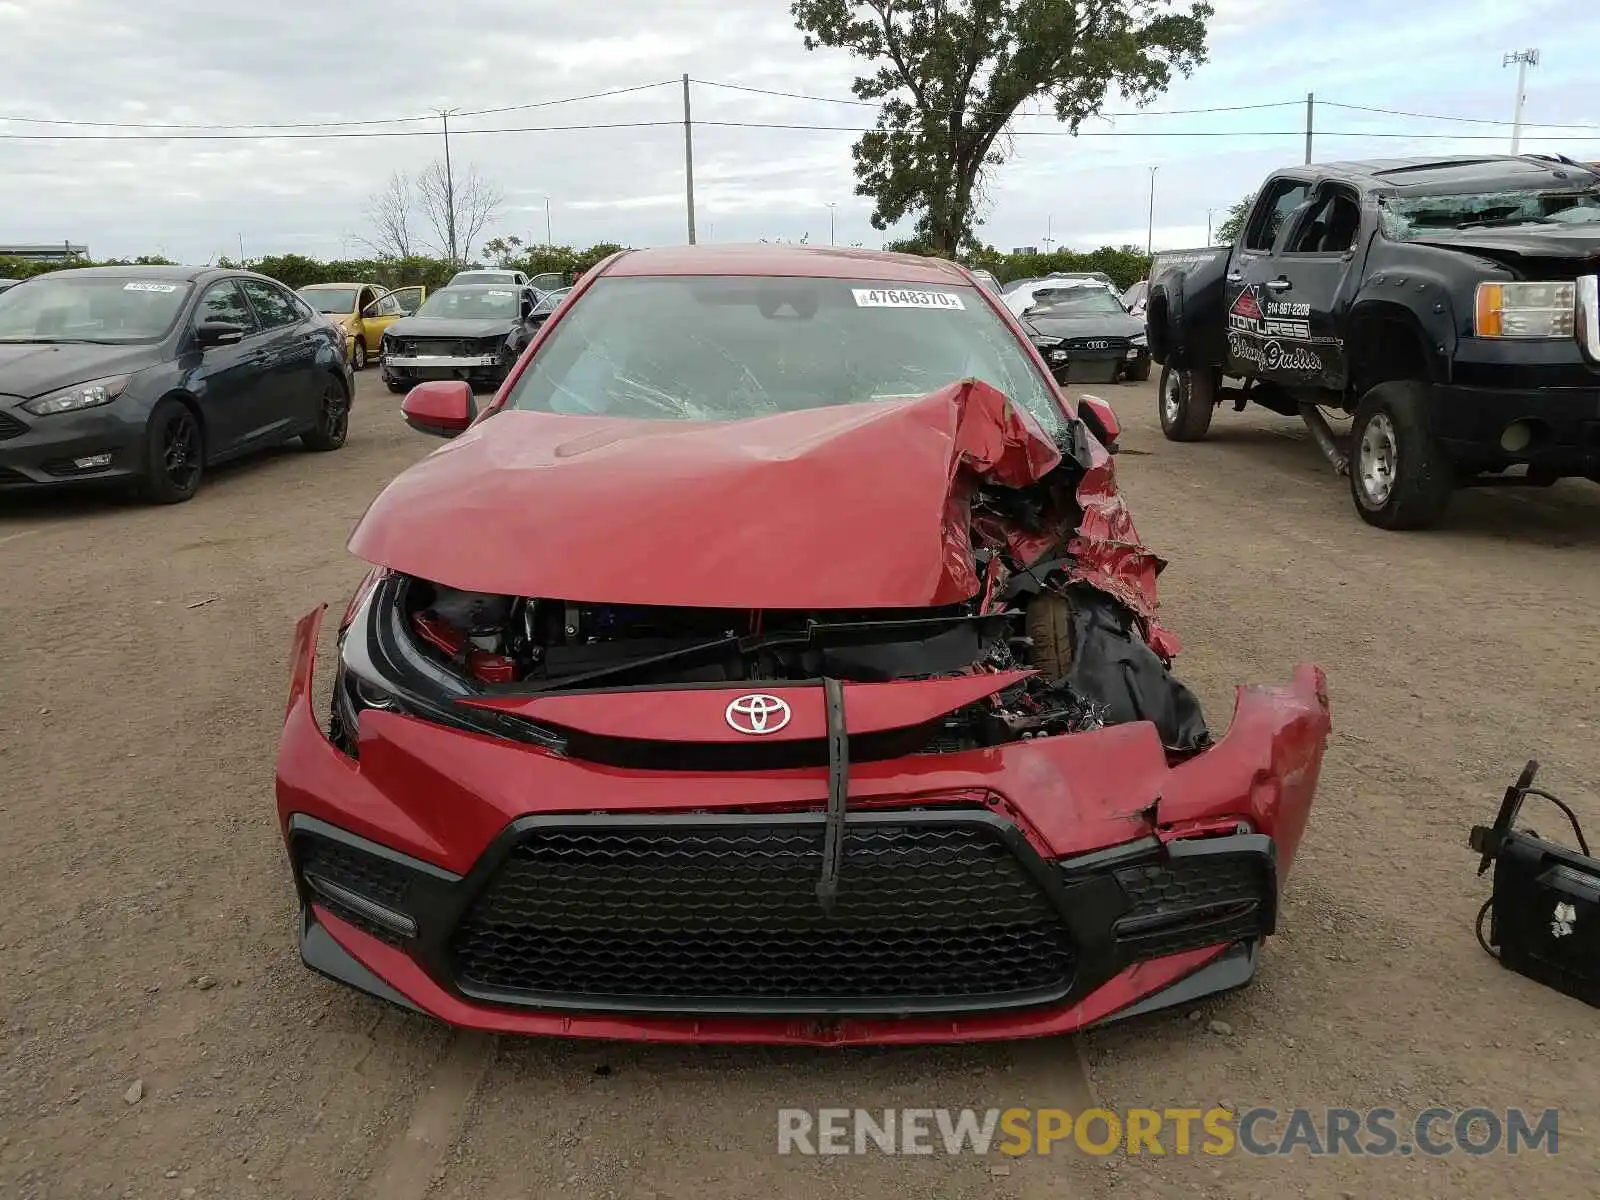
x=818 y=262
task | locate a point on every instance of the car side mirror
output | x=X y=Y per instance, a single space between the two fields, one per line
x=218 y=333
x=1102 y=421
x=440 y=407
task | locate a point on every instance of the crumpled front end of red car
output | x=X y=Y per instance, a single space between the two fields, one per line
x=752 y=752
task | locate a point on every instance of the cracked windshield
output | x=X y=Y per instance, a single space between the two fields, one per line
x=721 y=349
x=1410 y=217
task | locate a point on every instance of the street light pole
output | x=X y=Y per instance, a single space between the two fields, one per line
x=547 y=238
x=1150 y=236
x=833 y=206
x=1209 y=213
x=1524 y=59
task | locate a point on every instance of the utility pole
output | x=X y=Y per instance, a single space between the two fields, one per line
x=1311 y=110
x=449 y=184
x=1524 y=59
x=547 y=238
x=1209 y=213
x=833 y=206
x=688 y=157
x=1150 y=236
x=241 y=249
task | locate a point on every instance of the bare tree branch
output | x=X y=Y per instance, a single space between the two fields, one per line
x=390 y=213
x=477 y=204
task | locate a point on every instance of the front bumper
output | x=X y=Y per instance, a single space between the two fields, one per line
x=1564 y=422
x=442 y=362
x=39 y=452
x=407 y=861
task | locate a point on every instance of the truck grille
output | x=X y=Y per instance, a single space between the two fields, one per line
x=702 y=914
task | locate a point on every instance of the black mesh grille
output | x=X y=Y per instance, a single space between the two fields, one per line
x=364 y=874
x=1185 y=905
x=10 y=427
x=694 y=914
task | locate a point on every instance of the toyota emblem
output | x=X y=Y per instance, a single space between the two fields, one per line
x=757 y=714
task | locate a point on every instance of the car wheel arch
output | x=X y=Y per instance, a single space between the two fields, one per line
x=192 y=403
x=1387 y=343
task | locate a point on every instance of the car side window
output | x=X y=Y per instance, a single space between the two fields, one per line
x=272 y=304
x=368 y=296
x=389 y=306
x=1282 y=198
x=224 y=302
x=1330 y=225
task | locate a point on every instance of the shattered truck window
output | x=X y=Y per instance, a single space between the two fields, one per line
x=1418 y=216
x=724 y=348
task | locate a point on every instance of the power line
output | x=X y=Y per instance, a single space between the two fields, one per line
x=480 y=112
x=796 y=126
x=1170 y=112
x=1395 y=112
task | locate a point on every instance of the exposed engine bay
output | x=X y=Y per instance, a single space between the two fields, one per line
x=1093 y=667
x=1035 y=567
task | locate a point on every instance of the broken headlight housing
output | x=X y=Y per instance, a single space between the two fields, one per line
x=1525 y=310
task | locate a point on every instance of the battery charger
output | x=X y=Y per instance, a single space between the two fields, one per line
x=1544 y=913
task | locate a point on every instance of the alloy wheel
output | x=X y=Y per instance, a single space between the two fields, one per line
x=180 y=451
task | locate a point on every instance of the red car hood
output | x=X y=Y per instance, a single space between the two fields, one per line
x=855 y=506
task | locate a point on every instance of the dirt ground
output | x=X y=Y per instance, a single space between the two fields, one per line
x=159 y=1038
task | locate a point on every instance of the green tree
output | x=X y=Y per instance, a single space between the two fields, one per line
x=952 y=73
x=1233 y=224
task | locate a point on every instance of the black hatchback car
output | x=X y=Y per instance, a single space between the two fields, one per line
x=145 y=376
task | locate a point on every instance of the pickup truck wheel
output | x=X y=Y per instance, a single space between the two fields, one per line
x=1399 y=475
x=1187 y=399
x=1049 y=625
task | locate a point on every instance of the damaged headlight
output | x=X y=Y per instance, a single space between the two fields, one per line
x=82 y=395
x=1525 y=310
x=1139 y=340
x=381 y=668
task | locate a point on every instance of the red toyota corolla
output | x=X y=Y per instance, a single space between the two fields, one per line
x=774 y=660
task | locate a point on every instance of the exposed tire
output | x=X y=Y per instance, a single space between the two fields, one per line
x=333 y=418
x=1186 y=402
x=174 y=454
x=1400 y=477
x=358 y=356
x=1139 y=372
x=1049 y=624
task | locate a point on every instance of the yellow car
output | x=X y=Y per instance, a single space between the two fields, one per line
x=363 y=311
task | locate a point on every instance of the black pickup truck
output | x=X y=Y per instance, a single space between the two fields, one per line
x=1450 y=305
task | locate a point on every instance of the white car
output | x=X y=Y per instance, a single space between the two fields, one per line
x=489 y=275
x=1023 y=297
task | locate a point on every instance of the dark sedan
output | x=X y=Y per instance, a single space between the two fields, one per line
x=1103 y=342
x=146 y=376
x=470 y=332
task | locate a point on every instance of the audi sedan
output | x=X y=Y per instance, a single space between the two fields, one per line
x=774 y=659
x=144 y=377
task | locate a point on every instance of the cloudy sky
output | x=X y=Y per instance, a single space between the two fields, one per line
x=195 y=62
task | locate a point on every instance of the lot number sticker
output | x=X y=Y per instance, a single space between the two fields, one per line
x=904 y=298
x=138 y=286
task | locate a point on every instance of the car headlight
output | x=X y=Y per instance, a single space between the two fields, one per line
x=1525 y=310
x=1140 y=340
x=80 y=395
